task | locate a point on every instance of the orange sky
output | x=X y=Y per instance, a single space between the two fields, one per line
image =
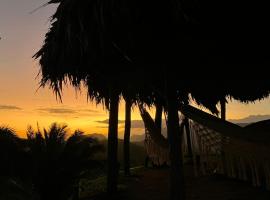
x=21 y=105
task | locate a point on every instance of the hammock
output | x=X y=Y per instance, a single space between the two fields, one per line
x=155 y=143
x=226 y=148
x=221 y=147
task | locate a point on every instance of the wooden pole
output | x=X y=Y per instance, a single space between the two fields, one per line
x=127 y=137
x=223 y=117
x=112 y=144
x=175 y=133
x=158 y=117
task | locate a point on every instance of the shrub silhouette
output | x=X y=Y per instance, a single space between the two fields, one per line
x=58 y=161
x=48 y=164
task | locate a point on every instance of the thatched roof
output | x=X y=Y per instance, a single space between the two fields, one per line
x=105 y=43
x=210 y=91
x=135 y=45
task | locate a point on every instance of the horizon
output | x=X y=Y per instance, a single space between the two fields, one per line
x=23 y=104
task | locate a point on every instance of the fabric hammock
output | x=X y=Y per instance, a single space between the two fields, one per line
x=156 y=145
x=225 y=148
x=218 y=146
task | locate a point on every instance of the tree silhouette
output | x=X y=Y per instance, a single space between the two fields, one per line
x=58 y=162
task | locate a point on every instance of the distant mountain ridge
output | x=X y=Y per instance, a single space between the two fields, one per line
x=250 y=119
x=98 y=136
x=242 y=124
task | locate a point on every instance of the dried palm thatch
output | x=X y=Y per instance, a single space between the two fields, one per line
x=83 y=46
x=121 y=44
x=105 y=43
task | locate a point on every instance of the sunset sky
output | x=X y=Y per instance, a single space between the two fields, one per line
x=21 y=104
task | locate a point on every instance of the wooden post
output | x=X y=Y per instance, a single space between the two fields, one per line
x=223 y=117
x=127 y=137
x=158 y=117
x=177 y=186
x=112 y=144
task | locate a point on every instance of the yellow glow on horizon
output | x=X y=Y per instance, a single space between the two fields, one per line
x=77 y=113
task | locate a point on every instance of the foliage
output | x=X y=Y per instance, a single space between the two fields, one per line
x=52 y=163
x=9 y=147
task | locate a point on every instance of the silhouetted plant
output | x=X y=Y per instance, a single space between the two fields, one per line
x=13 y=179
x=9 y=148
x=58 y=161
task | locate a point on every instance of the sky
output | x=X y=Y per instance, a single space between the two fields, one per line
x=23 y=104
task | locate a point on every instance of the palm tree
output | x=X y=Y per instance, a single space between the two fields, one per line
x=14 y=179
x=58 y=162
x=9 y=152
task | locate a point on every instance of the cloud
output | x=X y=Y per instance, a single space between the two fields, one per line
x=102 y=127
x=137 y=127
x=138 y=124
x=63 y=110
x=89 y=111
x=9 y=107
x=250 y=119
x=58 y=110
x=106 y=121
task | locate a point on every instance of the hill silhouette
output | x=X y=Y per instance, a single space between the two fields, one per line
x=98 y=136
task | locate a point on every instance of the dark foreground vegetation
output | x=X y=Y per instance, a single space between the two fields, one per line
x=50 y=164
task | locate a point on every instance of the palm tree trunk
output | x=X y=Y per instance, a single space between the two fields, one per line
x=127 y=137
x=177 y=186
x=158 y=117
x=112 y=144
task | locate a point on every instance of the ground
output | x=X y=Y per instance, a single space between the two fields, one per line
x=153 y=184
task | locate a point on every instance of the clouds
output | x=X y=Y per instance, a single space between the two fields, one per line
x=9 y=107
x=135 y=124
x=250 y=119
x=140 y=124
x=57 y=110
x=76 y=112
x=106 y=121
